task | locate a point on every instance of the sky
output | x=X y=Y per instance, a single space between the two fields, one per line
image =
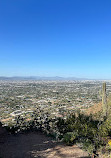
x=67 y=38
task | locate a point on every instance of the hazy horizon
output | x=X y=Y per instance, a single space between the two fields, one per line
x=53 y=78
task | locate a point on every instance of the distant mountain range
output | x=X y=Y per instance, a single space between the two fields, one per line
x=40 y=78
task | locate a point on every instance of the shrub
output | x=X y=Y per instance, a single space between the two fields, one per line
x=69 y=137
x=89 y=146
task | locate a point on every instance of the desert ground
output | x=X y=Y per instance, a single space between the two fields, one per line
x=35 y=145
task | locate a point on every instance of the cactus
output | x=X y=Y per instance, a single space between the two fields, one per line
x=104 y=100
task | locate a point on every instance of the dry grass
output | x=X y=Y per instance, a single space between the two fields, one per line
x=94 y=109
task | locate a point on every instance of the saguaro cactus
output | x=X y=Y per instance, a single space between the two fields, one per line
x=104 y=100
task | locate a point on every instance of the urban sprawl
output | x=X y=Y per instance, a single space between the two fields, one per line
x=25 y=99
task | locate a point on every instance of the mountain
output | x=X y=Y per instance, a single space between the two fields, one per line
x=40 y=78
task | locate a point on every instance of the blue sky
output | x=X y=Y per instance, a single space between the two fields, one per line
x=55 y=38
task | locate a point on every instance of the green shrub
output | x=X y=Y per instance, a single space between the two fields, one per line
x=69 y=137
x=88 y=145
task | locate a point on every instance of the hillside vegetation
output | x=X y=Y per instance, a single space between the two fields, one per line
x=89 y=133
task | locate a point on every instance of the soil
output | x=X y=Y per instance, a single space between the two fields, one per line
x=35 y=145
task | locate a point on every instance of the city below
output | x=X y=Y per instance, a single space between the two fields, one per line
x=56 y=98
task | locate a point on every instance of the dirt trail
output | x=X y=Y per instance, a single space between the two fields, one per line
x=35 y=145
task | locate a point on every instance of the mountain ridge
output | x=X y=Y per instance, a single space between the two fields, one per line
x=40 y=78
